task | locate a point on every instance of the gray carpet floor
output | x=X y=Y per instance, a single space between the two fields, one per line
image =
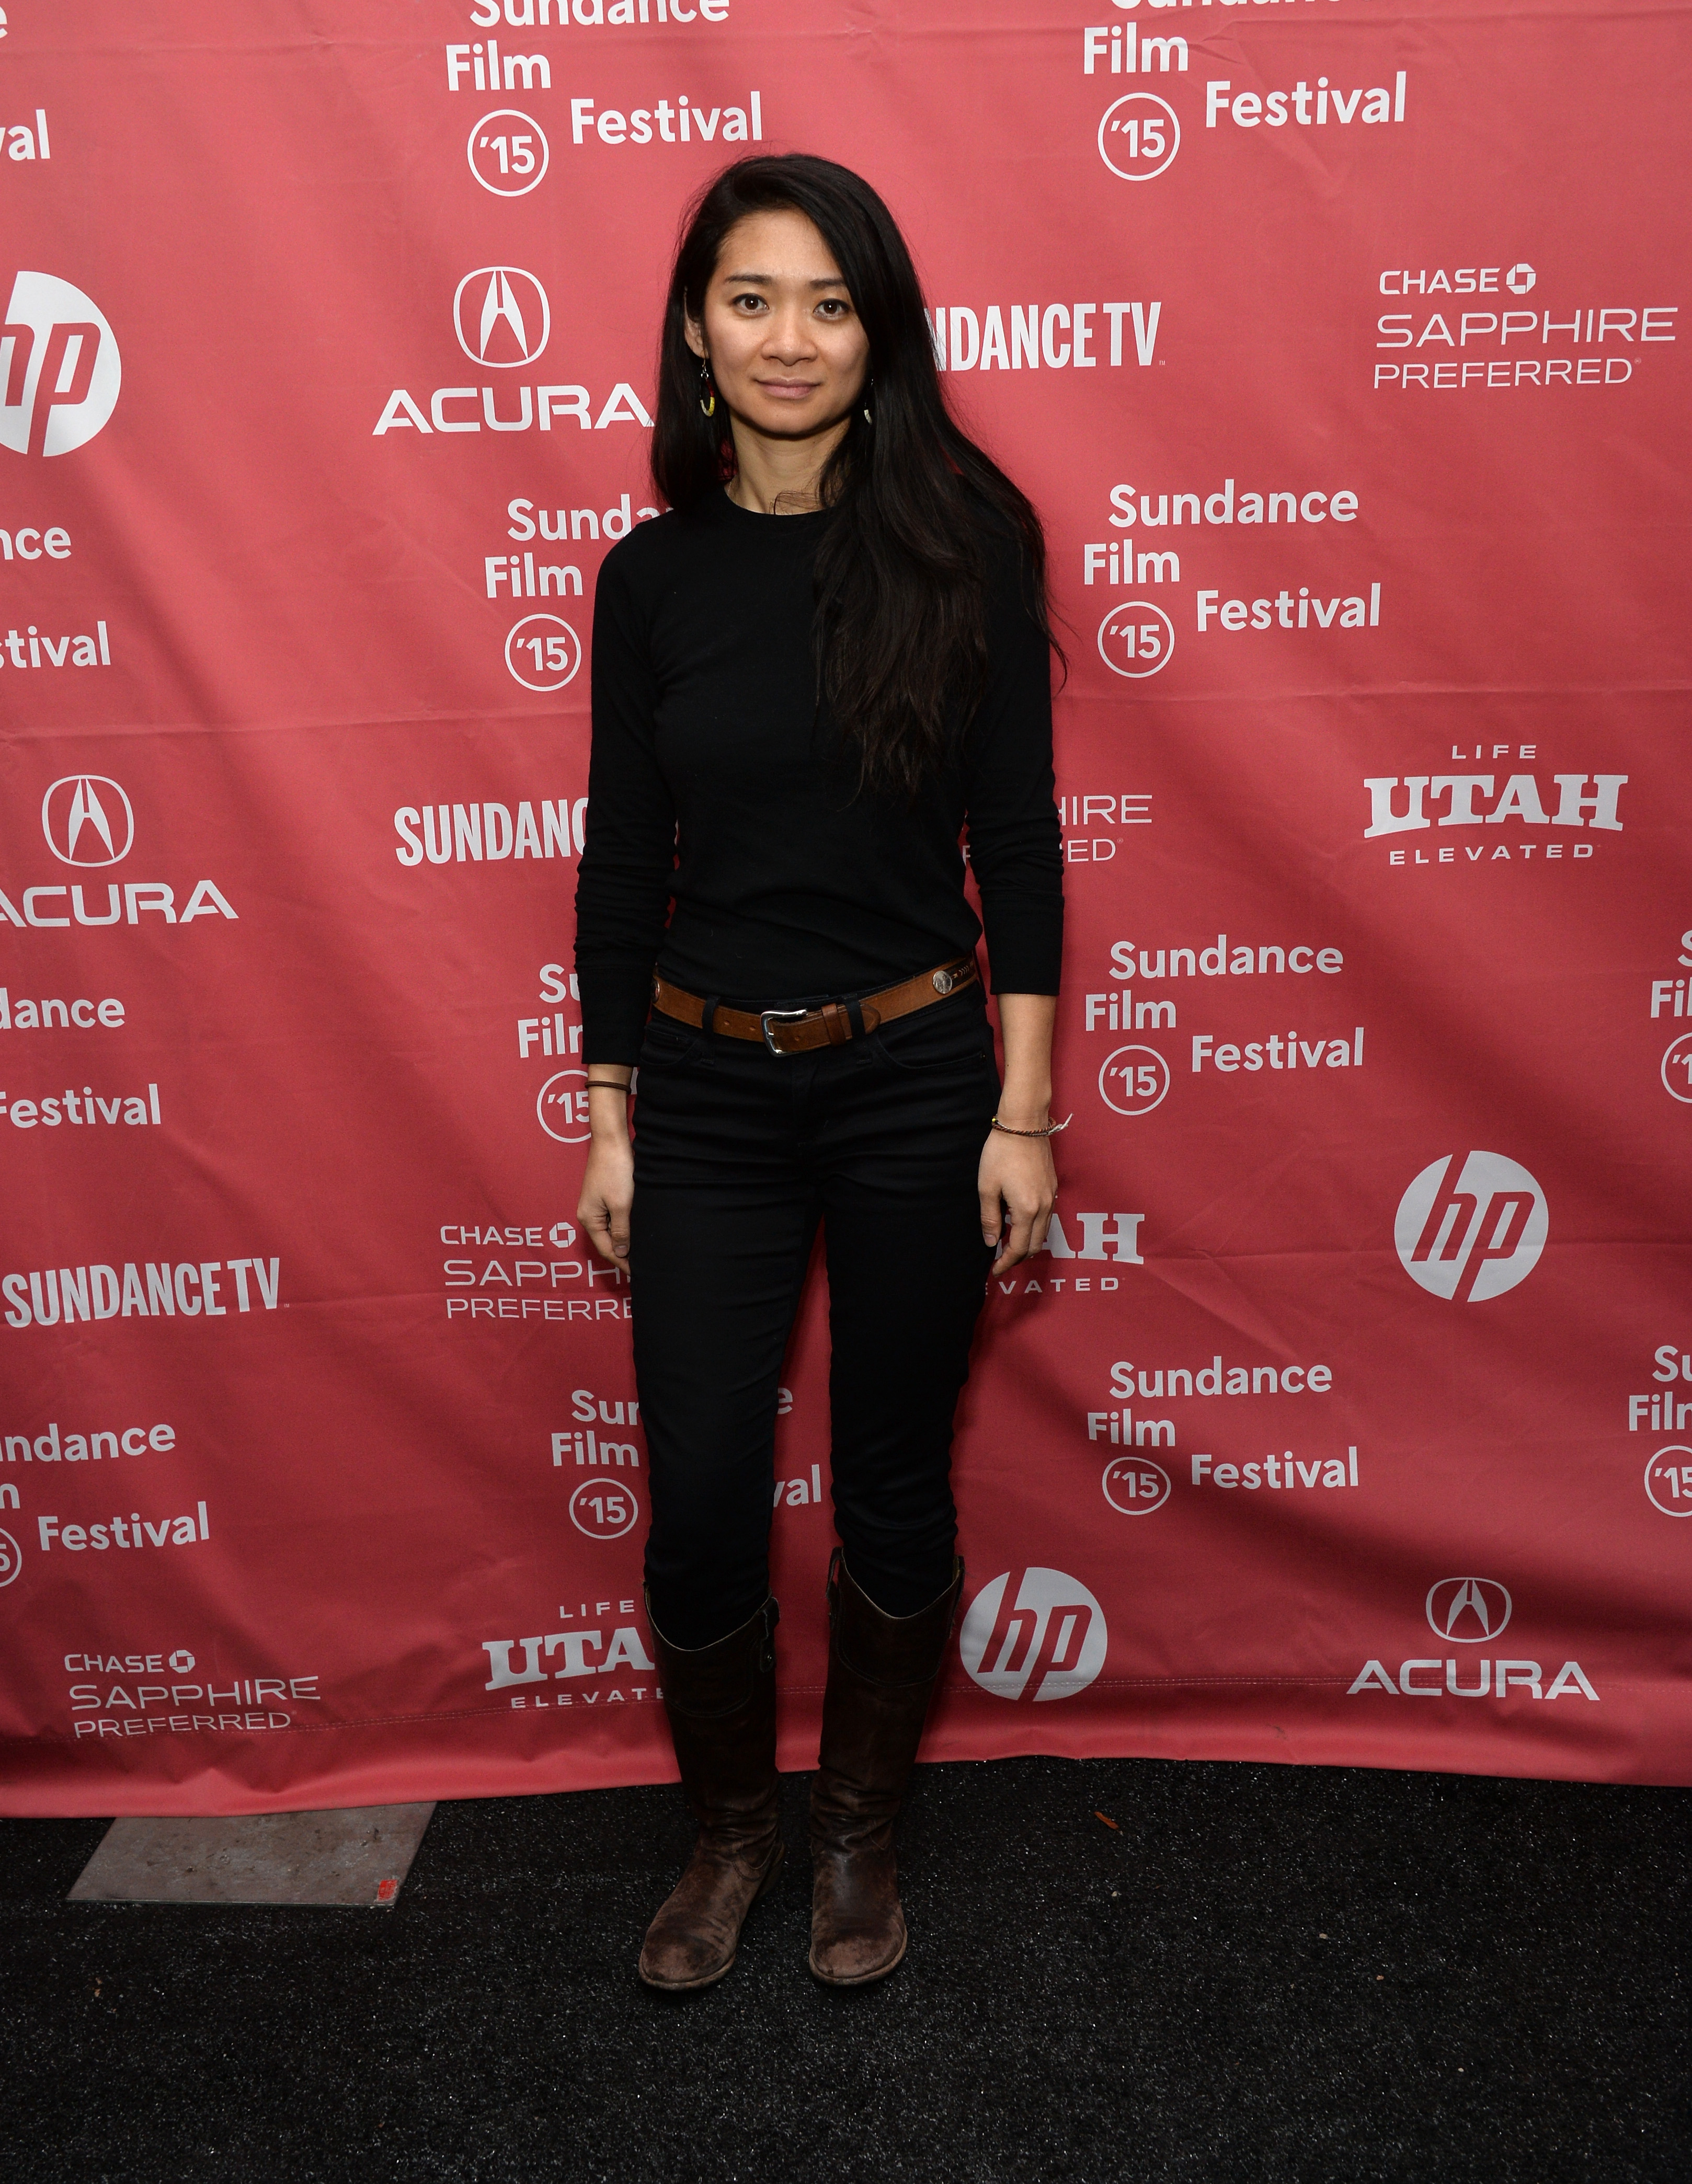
x=1257 y=1973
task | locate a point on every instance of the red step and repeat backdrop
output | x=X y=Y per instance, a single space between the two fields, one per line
x=1349 y=1416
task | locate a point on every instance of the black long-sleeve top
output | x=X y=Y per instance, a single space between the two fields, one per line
x=715 y=786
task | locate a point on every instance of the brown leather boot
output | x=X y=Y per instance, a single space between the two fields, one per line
x=881 y=1671
x=720 y=1700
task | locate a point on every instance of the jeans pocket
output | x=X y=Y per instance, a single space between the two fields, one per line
x=940 y=1040
x=667 y=1045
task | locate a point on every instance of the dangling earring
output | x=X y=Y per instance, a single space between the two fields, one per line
x=869 y=392
x=707 y=408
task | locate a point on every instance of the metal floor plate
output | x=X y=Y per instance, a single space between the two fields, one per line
x=358 y=1856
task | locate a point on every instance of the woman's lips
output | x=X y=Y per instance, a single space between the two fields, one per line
x=787 y=390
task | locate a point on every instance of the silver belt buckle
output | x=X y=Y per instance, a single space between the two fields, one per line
x=767 y=1017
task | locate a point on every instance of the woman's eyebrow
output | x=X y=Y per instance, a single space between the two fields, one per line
x=821 y=281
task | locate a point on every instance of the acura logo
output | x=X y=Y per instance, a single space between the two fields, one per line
x=1467 y=1610
x=87 y=819
x=501 y=316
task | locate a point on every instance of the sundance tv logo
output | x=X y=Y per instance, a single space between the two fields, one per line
x=59 y=368
x=501 y=317
x=1470 y=1227
x=1038 y=1634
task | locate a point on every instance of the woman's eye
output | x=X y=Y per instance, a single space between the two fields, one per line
x=751 y=303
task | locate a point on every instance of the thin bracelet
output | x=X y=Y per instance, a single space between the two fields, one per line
x=607 y=1085
x=1051 y=1129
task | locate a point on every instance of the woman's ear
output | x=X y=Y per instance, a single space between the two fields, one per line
x=693 y=334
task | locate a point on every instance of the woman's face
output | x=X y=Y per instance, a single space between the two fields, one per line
x=788 y=351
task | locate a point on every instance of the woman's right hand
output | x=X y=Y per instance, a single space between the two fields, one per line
x=608 y=1185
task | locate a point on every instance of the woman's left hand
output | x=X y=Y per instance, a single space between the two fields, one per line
x=1019 y=1187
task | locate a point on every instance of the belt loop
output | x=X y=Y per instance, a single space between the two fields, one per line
x=708 y=1019
x=855 y=1010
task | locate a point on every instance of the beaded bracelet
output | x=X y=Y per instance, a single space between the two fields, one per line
x=1051 y=1129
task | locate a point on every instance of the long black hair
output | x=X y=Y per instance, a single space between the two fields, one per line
x=900 y=629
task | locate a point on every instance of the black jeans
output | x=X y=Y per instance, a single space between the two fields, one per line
x=737 y=1154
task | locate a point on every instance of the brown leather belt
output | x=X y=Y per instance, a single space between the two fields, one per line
x=799 y=1031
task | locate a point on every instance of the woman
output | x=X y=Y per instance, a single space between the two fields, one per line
x=828 y=656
